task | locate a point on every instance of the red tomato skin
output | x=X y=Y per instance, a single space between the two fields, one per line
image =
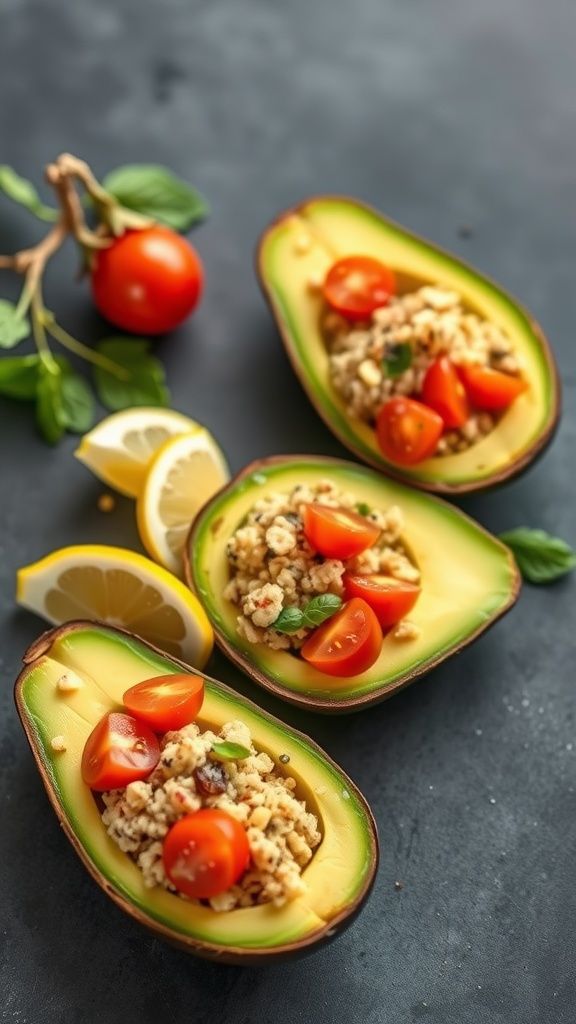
x=338 y=532
x=348 y=643
x=147 y=282
x=166 y=703
x=389 y=599
x=119 y=750
x=444 y=392
x=490 y=389
x=407 y=431
x=204 y=853
x=357 y=285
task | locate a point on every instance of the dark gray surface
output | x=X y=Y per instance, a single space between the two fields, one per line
x=441 y=114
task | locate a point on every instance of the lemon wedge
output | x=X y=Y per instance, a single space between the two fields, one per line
x=185 y=472
x=119 y=448
x=121 y=588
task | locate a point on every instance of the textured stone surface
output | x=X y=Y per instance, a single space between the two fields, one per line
x=443 y=115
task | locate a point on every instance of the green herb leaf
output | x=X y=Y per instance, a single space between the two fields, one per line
x=363 y=508
x=397 y=359
x=226 y=751
x=540 y=557
x=321 y=608
x=155 y=192
x=49 y=402
x=13 y=326
x=22 y=191
x=19 y=377
x=77 y=403
x=143 y=381
x=290 y=620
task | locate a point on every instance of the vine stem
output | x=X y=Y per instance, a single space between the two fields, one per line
x=73 y=345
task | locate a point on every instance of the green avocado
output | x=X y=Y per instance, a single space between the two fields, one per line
x=104 y=662
x=468 y=580
x=294 y=254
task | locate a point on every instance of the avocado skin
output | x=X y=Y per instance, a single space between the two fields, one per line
x=60 y=649
x=340 y=225
x=469 y=580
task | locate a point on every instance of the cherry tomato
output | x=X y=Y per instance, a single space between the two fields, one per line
x=338 y=532
x=407 y=431
x=357 y=285
x=205 y=853
x=444 y=392
x=166 y=702
x=119 y=750
x=346 y=644
x=490 y=389
x=147 y=282
x=390 y=599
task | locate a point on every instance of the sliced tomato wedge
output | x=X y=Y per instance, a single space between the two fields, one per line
x=338 y=532
x=205 y=853
x=490 y=389
x=119 y=750
x=346 y=644
x=166 y=702
x=357 y=285
x=444 y=392
x=407 y=431
x=390 y=599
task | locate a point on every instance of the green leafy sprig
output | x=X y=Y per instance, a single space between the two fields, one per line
x=541 y=558
x=124 y=373
x=316 y=611
x=396 y=359
x=228 y=751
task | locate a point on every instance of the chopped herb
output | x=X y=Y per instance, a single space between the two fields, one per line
x=227 y=751
x=363 y=508
x=397 y=358
x=320 y=608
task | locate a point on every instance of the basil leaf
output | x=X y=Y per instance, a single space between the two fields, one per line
x=289 y=621
x=49 y=404
x=363 y=508
x=397 y=359
x=321 y=608
x=13 y=326
x=541 y=558
x=226 y=751
x=145 y=378
x=156 y=192
x=22 y=191
x=77 y=403
x=19 y=377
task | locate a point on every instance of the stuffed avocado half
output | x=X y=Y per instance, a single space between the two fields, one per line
x=294 y=256
x=468 y=579
x=104 y=662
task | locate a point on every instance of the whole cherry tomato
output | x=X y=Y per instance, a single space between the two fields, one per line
x=119 y=750
x=205 y=853
x=346 y=644
x=338 y=532
x=444 y=392
x=407 y=431
x=166 y=702
x=148 y=281
x=490 y=389
x=389 y=598
x=357 y=285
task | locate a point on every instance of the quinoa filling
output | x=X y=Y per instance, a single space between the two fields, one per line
x=432 y=321
x=273 y=567
x=282 y=834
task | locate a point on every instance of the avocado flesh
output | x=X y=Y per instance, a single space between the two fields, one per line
x=468 y=579
x=335 y=227
x=108 y=662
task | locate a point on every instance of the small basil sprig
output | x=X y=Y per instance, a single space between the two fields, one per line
x=396 y=359
x=316 y=611
x=155 y=192
x=541 y=558
x=228 y=751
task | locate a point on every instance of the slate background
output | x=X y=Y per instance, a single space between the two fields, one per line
x=443 y=114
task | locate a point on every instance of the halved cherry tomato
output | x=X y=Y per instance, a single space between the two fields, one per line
x=166 y=702
x=490 y=389
x=390 y=599
x=407 y=431
x=338 y=532
x=205 y=853
x=444 y=392
x=357 y=285
x=119 y=750
x=346 y=644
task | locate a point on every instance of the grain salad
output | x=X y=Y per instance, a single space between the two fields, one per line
x=282 y=833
